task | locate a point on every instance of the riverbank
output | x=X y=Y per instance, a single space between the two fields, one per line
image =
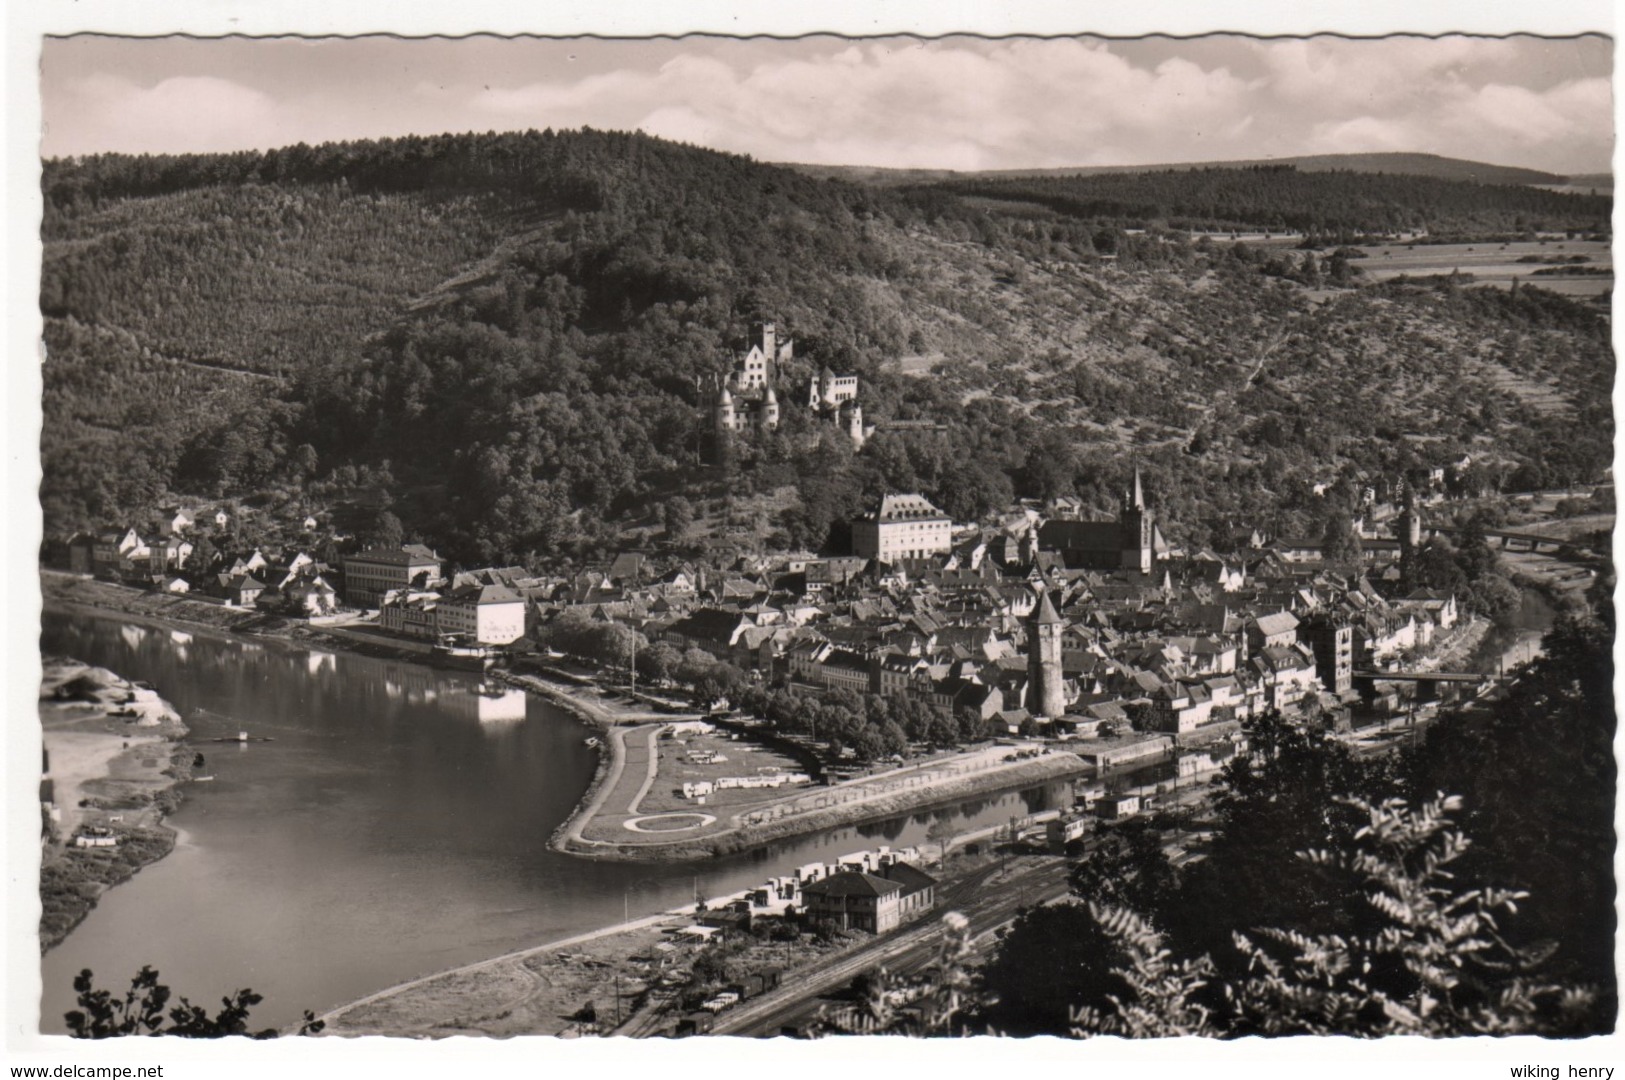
x=620 y=833
x=115 y=760
x=858 y=801
x=629 y=979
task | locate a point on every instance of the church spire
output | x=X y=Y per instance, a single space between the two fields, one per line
x=1136 y=495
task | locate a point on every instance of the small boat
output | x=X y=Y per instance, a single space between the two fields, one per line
x=201 y=779
x=593 y=742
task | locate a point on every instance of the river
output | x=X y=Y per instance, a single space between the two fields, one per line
x=396 y=825
x=1508 y=647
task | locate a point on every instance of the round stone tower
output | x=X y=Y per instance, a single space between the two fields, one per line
x=1045 y=693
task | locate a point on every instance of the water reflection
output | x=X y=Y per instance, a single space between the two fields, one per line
x=397 y=824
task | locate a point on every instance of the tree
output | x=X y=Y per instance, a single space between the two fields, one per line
x=934 y=1002
x=659 y=662
x=386 y=532
x=1553 y=734
x=1163 y=995
x=1277 y=801
x=1496 y=598
x=141 y=1011
x=1128 y=869
x=1434 y=961
x=1339 y=543
x=942 y=833
x=1436 y=964
x=1053 y=959
x=677 y=514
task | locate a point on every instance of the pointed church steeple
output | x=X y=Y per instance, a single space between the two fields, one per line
x=1136 y=529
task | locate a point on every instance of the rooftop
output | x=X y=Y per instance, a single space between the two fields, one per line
x=907 y=508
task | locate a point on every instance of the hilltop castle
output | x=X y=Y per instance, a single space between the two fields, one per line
x=835 y=398
x=747 y=402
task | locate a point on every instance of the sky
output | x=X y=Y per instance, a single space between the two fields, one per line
x=960 y=102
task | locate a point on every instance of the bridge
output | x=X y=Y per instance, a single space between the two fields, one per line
x=1511 y=539
x=1422 y=676
x=1427 y=682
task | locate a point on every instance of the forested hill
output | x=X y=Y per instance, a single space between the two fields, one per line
x=1343 y=204
x=1406 y=164
x=506 y=341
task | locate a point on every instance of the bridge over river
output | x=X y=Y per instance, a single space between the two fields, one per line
x=1427 y=682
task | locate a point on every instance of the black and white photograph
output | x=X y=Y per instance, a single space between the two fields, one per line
x=808 y=537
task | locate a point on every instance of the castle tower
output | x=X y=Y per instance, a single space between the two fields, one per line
x=854 y=425
x=769 y=416
x=1137 y=529
x=767 y=334
x=1045 y=693
x=724 y=410
x=1408 y=529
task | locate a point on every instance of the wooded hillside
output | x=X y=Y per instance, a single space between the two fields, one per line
x=512 y=337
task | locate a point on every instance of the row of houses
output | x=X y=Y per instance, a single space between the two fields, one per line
x=1195 y=639
x=291 y=581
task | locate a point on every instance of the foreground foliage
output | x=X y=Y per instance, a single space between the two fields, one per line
x=144 y=1010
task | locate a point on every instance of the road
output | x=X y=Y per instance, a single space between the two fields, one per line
x=989 y=898
x=986 y=902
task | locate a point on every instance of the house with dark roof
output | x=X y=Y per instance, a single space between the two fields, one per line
x=1270 y=630
x=1132 y=542
x=902 y=526
x=714 y=630
x=854 y=900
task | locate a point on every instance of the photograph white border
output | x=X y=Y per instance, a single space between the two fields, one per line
x=28 y=22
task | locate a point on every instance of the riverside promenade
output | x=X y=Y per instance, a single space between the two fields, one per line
x=616 y=822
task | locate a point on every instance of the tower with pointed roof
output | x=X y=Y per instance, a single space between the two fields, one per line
x=1137 y=526
x=1408 y=528
x=746 y=401
x=1045 y=693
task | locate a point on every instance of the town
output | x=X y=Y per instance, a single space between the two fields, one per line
x=1033 y=622
x=866 y=533
x=780 y=693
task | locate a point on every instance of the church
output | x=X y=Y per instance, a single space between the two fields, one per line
x=1132 y=542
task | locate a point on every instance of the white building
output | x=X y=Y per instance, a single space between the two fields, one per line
x=369 y=574
x=487 y=614
x=903 y=527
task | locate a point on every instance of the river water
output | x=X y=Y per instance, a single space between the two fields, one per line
x=396 y=825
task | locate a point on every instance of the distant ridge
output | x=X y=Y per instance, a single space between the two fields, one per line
x=1432 y=165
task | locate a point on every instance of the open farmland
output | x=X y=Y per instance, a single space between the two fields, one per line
x=1497 y=263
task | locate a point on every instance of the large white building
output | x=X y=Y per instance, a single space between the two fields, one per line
x=369 y=574
x=487 y=614
x=903 y=527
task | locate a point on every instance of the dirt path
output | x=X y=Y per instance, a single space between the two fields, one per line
x=636 y=805
x=504 y=964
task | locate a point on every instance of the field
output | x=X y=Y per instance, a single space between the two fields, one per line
x=678 y=766
x=634 y=814
x=1496 y=264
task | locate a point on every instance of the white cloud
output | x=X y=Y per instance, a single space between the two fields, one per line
x=180 y=114
x=958 y=103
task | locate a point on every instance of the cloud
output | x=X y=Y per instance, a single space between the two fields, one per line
x=956 y=103
x=181 y=114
